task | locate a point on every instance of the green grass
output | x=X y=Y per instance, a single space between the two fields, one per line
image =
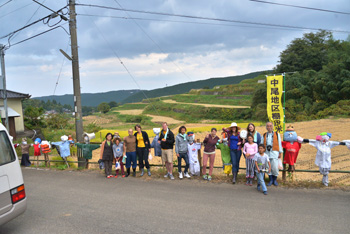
x=242 y=100
x=129 y=106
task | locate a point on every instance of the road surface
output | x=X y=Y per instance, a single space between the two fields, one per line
x=86 y=202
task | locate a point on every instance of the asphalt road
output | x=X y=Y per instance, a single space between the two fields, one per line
x=86 y=202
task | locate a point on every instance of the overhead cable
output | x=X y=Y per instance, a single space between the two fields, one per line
x=303 y=7
x=209 y=18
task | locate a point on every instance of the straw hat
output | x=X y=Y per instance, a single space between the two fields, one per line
x=234 y=125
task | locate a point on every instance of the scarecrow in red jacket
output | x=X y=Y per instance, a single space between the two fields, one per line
x=292 y=145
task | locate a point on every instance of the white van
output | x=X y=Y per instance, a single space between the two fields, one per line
x=13 y=201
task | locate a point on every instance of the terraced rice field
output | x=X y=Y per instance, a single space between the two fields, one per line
x=340 y=128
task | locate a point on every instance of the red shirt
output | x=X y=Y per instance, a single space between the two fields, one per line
x=292 y=152
x=37 y=150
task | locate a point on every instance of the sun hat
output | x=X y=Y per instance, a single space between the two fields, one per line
x=233 y=124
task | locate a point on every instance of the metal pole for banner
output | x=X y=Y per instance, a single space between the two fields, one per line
x=284 y=123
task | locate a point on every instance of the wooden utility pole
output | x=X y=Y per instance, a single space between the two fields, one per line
x=3 y=86
x=76 y=78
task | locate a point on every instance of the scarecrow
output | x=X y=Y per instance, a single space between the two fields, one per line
x=292 y=145
x=323 y=156
x=193 y=148
x=87 y=148
x=46 y=149
x=64 y=147
x=25 y=153
x=155 y=144
x=225 y=153
x=37 y=152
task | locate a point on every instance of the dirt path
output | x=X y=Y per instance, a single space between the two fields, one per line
x=207 y=105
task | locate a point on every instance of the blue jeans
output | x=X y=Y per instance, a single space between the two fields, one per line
x=235 y=158
x=261 y=181
x=185 y=157
x=131 y=157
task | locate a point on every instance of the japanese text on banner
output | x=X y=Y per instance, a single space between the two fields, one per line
x=275 y=110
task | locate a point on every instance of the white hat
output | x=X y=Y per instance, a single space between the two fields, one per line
x=156 y=131
x=233 y=124
x=64 y=138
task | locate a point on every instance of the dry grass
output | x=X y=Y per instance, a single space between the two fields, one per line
x=161 y=119
x=340 y=129
x=130 y=112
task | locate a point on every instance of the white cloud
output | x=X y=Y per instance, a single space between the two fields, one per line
x=200 y=50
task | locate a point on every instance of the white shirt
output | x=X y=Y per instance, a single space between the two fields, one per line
x=323 y=155
x=193 y=152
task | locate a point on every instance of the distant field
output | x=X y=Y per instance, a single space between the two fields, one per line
x=130 y=106
x=207 y=105
x=306 y=158
x=237 y=100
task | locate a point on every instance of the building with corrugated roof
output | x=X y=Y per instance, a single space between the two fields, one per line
x=15 y=110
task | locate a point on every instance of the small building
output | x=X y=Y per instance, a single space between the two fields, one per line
x=15 y=110
x=261 y=81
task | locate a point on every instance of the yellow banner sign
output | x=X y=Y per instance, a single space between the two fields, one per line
x=275 y=110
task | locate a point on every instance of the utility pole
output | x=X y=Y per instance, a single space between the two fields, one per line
x=76 y=78
x=3 y=85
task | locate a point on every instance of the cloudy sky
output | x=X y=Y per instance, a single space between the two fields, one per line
x=157 y=50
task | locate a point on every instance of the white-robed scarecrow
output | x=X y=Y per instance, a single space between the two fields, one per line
x=323 y=156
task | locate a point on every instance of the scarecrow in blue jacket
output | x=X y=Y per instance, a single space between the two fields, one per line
x=64 y=147
x=155 y=144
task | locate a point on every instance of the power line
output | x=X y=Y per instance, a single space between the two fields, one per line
x=209 y=18
x=178 y=67
x=36 y=35
x=122 y=63
x=6 y=3
x=16 y=10
x=28 y=25
x=186 y=22
x=47 y=18
x=27 y=21
x=309 y=8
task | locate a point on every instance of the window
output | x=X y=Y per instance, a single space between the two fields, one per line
x=6 y=153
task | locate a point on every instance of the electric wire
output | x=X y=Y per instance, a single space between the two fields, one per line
x=6 y=3
x=302 y=7
x=36 y=35
x=28 y=25
x=28 y=20
x=63 y=62
x=124 y=66
x=209 y=18
x=16 y=10
x=187 y=22
x=149 y=37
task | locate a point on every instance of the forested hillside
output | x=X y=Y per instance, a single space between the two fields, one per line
x=186 y=87
x=317 y=79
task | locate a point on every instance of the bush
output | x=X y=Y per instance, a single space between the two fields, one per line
x=58 y=121
x=92 y=127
